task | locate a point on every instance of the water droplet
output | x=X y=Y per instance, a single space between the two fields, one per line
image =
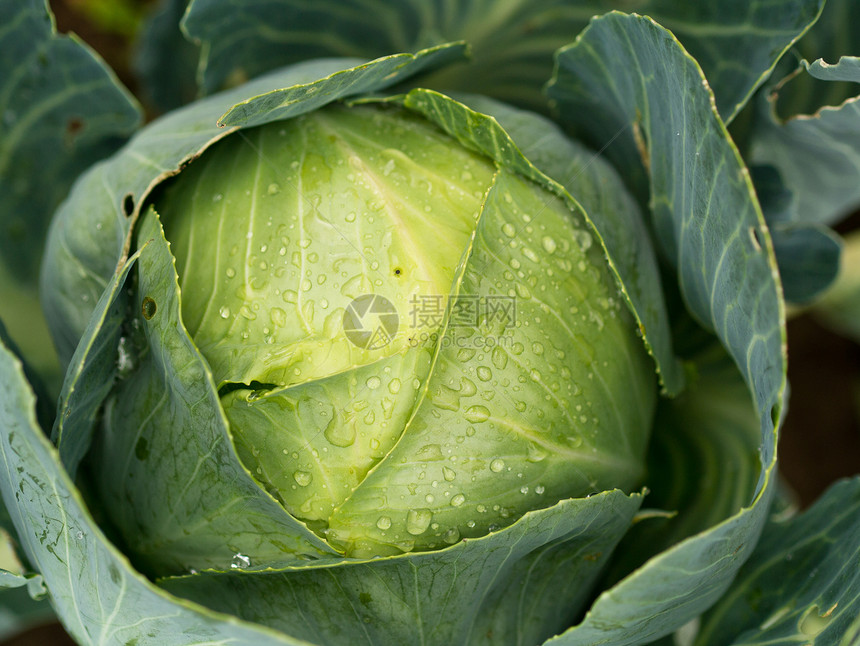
x=278 y=316
x=451 y=536
x=458 y=500
x=539 y=489
x=524 y=490
x=467 y=387
x=373 y=383
x=240 y=561
x=394 y=386
x=273 y=189
x=536 y=453
x=418 y=520
x=484 y=373
x=497 y=465
x=500 y=358
x=583 y=239
x=383 y=523
x=464 y=354
x=342 y=435
x=509 y=230
x=548 y=244
x=522 y=291
x=230 y=272
x=302 y=478
x=448 y=474
x=224 y=312
x=429 y=453
x=477 y=414
x=574 y=441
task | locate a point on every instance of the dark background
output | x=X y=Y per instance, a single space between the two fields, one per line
x=820 y=440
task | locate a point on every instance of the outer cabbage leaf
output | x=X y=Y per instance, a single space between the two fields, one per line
x=168 y=474
x=33 y=582
x=300 y=98
x=809 y=120
x=703 y=460
x=89 y=235
x=61 y=109
x=597 y=187
x=165 y=61
x=830 y=38
x=807 y=253
x=627 y=79
x=737 y=42
x=518 y=585
x=808 y=258
x=801 y=584
x=91 y=374
x=93 y=588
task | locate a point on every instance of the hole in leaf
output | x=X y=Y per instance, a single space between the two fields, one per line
x=755 y=238
x=128 y=204
x=148 y=308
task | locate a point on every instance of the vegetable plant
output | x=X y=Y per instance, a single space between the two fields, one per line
x=432 y=323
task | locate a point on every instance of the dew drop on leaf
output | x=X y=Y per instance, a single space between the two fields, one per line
x=383 y=523
x=477 y=414
x=418 y=520
x=302 y=478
